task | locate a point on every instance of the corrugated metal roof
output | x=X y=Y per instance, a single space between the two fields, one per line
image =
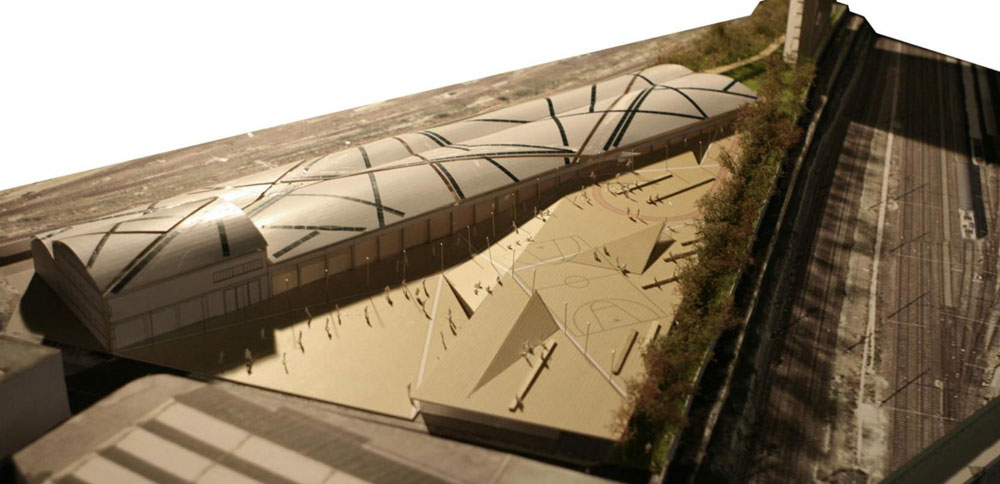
x=303 y=206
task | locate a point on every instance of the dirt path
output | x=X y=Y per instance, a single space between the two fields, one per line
x=762 y=54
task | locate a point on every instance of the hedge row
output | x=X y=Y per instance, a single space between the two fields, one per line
x=766 y=131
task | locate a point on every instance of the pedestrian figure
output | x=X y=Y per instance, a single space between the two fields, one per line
x=249 y=360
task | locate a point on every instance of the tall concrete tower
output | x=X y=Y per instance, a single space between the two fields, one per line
x=808 y=21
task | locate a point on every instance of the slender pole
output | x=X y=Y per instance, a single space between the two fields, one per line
x=441 y=245
x=288 y=295
x=367 y=270
x=468 y=238
x=586 y=342
x=533 y=272
x=493 y=222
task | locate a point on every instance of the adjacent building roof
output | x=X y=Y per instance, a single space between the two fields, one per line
x=163 y=428
x=303 y=206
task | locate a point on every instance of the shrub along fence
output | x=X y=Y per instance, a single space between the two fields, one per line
x=766 y=131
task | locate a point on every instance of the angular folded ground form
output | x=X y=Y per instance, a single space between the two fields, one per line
x=630 y=254
x=527 y=369
x=550 y=353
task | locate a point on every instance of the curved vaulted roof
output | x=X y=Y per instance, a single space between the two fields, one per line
x=303 y=206
x=137 y=247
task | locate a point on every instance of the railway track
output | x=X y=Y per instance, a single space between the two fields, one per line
x=797 y=406
x=928 y=357
x=935 y=306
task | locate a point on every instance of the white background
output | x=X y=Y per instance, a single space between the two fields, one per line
x=87 y=84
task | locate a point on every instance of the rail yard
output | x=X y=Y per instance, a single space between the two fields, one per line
x=887 y=335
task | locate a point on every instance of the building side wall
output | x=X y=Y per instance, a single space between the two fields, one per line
x=808 y=22
x=78 y=292
x=34 y=401
x=514 y=435
x=209 y=292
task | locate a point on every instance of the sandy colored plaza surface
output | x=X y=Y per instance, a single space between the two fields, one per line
x=587 y=255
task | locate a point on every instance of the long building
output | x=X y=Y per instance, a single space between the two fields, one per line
x=147 y=271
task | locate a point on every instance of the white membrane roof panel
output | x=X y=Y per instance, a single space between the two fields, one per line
x=210 y=236
x=526 y=111
x=663 y=73
x=116 y=253
x=353 y=186
x=267 y=176
x=525 y=168
x=419 y=142
x=548 y=132
x=463 y=131
x=416 y=190
x=311 y=209
x=82 y=245
x=341 y=162
x=479 y=176
x=714 y=104
x=353 y=160
x=643 y=127
x=99 y=226
x=289 y=242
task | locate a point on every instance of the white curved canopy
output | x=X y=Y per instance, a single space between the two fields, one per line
x=303 y=206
